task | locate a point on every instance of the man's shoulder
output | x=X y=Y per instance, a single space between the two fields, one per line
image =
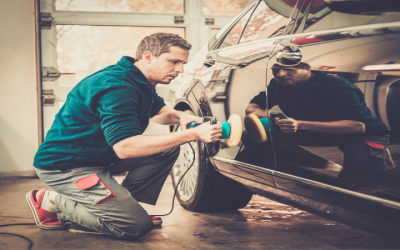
x=333 y=81
x=110 y=77
x=329 y=77
x=335 y=88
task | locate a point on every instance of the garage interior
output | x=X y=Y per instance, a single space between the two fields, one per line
x=29 y=99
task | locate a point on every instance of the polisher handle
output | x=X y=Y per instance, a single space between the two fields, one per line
x=210 y=119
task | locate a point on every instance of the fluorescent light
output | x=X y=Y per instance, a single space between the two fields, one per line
x=382 y=67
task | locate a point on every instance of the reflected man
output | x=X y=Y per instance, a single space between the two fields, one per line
x=325 y=110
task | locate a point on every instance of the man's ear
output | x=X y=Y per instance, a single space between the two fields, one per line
x=147 y=57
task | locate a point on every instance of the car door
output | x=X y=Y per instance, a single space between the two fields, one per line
x=342 y=45
x=232 y=73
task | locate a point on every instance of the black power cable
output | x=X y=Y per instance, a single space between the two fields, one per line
x=176 y=188
x=18 y=235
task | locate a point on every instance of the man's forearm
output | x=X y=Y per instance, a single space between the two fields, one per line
x=170 y=116
x=334 y=127
x=167 y=116
x=254 y=108
x=143 y=145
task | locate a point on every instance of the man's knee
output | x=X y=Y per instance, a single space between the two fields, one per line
x=139 y=228
x=168 y=157
x=132 y=230
x=174 y=152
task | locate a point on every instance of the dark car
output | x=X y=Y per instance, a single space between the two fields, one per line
x=356 y=40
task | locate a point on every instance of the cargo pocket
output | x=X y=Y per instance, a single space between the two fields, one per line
x=94 y=188
x=376 y=150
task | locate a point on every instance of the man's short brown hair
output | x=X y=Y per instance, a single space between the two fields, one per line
x=159 y=43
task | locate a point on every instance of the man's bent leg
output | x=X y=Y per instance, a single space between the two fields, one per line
x=364 y=161
x=146 y=175
x=91 y=198
x=287 y=146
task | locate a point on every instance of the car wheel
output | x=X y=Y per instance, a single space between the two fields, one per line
x=203 y=188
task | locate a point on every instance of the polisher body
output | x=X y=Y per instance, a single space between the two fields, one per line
x=231 y=129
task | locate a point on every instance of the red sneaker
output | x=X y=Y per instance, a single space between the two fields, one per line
x=43 y=218
x=389 y=160
x=156 y=220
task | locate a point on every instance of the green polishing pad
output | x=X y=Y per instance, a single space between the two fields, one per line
x=226 y=130
x=267 y=124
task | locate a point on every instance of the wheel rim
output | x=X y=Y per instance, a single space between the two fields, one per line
x=188 y=184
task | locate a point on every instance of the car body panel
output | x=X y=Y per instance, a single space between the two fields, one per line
x=238 y=73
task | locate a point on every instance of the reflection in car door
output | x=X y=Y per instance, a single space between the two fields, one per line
x=233 y=73
x=342 y=49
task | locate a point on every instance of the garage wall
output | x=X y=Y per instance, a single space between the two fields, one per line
x=18 y=98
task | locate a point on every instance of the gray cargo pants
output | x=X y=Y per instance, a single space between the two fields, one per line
x=89 y=198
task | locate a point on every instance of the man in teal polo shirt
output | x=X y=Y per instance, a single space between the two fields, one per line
x=98 y=133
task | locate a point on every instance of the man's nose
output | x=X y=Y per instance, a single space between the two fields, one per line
x=281 y=73
x=179 y=68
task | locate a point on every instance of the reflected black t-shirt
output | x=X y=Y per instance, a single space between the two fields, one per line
x=324 y=98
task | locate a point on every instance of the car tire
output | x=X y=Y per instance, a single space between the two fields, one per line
x=203 y=188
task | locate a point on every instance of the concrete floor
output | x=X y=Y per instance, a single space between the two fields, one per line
x=263 y=224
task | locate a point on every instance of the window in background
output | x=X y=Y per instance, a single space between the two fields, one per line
x=214 y=31
x=83 y=50
x=233 y=36
x=224 y=7
x=263 y=24
x=151 y=6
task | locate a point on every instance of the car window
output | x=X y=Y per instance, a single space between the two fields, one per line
x=328 y=19
x=264 y=23
x=234 y=33
x=247 y=9
x=324 y=18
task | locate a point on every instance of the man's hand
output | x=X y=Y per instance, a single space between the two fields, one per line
x=208 y=133
x=288 y=125
x=185 y=119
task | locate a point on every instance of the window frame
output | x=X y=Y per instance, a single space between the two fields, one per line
x=302 y=25
x=285 y=32
x=251 y=7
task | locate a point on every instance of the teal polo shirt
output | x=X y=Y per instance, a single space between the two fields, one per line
x=106 y=107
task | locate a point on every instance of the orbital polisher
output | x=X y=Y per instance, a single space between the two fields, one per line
x=231 y=129
x=258 y=128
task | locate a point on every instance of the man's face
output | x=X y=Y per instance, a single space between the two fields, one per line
x=167 y=66
x=290 y=76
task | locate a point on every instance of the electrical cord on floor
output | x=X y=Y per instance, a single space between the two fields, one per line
x=176 y=188
x=18 y=235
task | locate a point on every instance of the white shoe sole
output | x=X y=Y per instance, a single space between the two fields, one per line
x=157 y=222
